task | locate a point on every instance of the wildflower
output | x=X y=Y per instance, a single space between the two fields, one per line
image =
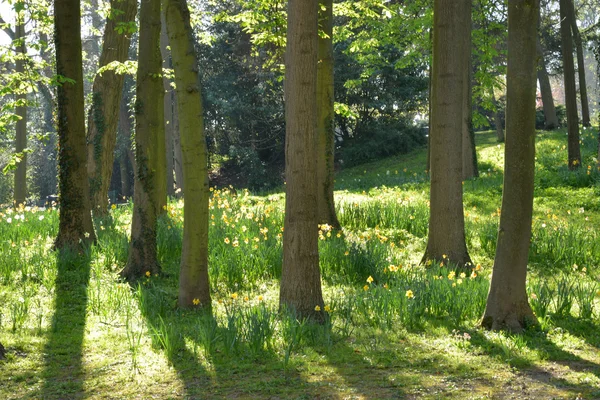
x=246 y=298
x=244 y=229
x=385 y=286
x=41 y=217
x=410 y=294
x=473 y=275
x=113 y=206
x=234 y=296
x=226 y=240
x=533 y=296
x=346 y=253
x=317 y=308
x=196 y=302
x=459 y=281
x=327 y=309
x=478 y=267
x=463 y=275
x=366 y=287
x=451 y=275
x=148 y=273
x=370 y=279
x=260 y=298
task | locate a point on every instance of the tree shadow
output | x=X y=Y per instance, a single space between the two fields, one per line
x=585 y=329
x=63 y=373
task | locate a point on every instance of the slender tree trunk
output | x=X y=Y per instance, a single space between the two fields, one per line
x=550 y=118
x=106 y=98
x=169 y=123
x=507 y=305
x=300 y=288
x=585 y=105
x=498 y=120
x=177 y=154
x=574 y=153
x=149 y=112
x=124 y=171
x=469 y=151
x=326 y=119
x=194 y=288
x=20 y=193
x=446 y=241
x=75 y=222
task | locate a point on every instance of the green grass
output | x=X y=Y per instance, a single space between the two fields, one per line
x=396 y=329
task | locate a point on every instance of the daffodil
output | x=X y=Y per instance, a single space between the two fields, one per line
x=410 y=294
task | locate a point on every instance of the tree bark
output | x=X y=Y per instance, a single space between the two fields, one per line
x=75 y=222
x=550 y=118
x=169 y=123
x=194 y=288
x=300 y=288
x=106 y=98
x=585 y=105
x=326 y=119
x=446 y=241
x=574 y=153
x=149 y=112
x=507 y=305
x=469 y=151
x=20 y=192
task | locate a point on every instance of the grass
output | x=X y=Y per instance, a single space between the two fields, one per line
x=396 y=329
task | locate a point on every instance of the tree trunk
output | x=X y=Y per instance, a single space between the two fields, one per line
x=498 y=120
x=177 y=154
x=75 y=222
x=469 y=151
x=149 y=121
x=194 y=288
x=507 y=306
x=550 y=118
x=300 y=288
x=574 y=153
x=585 y=106
x=106 y=98
x=169 y=123
x=20 y=193
x=446 y=241
x=124 y=171
x=325 y=119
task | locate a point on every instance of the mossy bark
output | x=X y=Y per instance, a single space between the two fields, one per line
x=194 y=288
x=75 y=222
x=573 y=150
x=507 y=305
x=149 y=122
x=106 y=98
x=326 y=118
x=300 y=288
x=20 y=192
x=446 y=241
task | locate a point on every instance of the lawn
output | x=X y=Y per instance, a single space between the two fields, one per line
x=396 y=329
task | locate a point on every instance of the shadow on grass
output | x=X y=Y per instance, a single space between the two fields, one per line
x=585 y=329
x=63 y=367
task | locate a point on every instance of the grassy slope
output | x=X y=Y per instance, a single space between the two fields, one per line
x=74 y=331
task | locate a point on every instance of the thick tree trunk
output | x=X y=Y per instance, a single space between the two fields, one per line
x=169 y=123
x=469 y=151
x=507 y=306
x=75 y=222
x=194 y=288
x=106 y=98
x=300 y=288
x=550 y=118
x=446 y=241
x=20 y=193
x=585 y=105
x=326 y=119
x=149 y=112
x=574 y=153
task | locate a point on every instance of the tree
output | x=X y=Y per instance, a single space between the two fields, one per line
x=300 y=288
x=469 y=152
x=20 y=193
x=574 y=153
x=550 y=118
x=507 y=305
x=446 y=241
x=149 y=145
x=194 y=288
x=325 y=118
x=106 y=98
x=169 y=99
x=585 y=106
x=75 y=223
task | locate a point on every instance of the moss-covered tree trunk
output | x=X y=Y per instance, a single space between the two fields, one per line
x=194 y=288
x=106 y=98
x=446 y=241
x=149 y=121
x=20 y=192
x=300 y=288
x=550 y=118
x=75 y=222
x=574 y=153
x=469 y=151
x=326 y=118
x=585 y=105
x=507 y=306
